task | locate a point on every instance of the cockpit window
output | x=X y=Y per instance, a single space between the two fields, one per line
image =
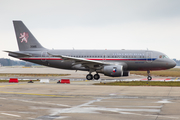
x=163 y=56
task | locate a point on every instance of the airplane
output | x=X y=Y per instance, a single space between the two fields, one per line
x=113 y=63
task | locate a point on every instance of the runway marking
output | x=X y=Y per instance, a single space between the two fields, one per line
x=43 y=103
x=142 y=106
x=176 y=79
x=3 y=98
x=88 y=108
x=162 y=116
x=8 y=85
x=84 y=108
x=129 y=113
x=10 y=114
x=149 y=115
x=31 y=118
x=37 y=94
x=164 y=101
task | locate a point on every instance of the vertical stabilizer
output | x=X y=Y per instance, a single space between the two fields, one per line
x=26 y=41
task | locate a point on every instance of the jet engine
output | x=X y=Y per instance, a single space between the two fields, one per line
x=113 y=71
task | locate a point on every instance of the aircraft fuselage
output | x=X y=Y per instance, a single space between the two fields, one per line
x=130 y=59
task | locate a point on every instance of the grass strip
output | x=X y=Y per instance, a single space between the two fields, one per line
x=141 y=83
x=174 y=72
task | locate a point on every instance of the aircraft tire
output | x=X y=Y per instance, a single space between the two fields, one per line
x=89 y=77
x=149 y=78
x=96 y=76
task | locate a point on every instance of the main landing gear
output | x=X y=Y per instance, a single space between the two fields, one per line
x=149 y=76
x=90 y=76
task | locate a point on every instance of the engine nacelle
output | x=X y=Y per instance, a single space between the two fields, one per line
x=113 y=71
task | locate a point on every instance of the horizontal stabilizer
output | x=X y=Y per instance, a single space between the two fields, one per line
x=19 y=54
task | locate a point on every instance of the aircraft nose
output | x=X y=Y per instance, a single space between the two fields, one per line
x=172 y=63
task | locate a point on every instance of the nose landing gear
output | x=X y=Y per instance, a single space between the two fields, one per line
x=149 y=76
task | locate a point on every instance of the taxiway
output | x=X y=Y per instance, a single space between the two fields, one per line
x=82 y=100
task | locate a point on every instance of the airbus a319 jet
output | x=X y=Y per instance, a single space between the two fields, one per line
x=113 y=63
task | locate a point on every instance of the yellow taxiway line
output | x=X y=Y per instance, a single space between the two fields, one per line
x=176 y=79
x=31 y=93
x=9 y=85
x=36 y=94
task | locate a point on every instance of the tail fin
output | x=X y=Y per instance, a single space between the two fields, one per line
x=26 y=41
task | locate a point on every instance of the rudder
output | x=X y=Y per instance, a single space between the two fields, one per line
x=25 y=39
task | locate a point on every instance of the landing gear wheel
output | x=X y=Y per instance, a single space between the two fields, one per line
x=149 y=78
x=89 y=77
x=96 y=76
x=149 y=75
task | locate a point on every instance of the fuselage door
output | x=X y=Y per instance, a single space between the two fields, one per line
x=43 y=56
x=148 y=56
x=104 y=57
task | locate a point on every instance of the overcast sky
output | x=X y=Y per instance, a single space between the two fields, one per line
x=94 y=24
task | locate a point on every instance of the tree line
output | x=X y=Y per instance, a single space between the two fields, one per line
x=9 y=62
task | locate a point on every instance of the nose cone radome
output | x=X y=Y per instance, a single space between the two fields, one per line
x=172 y=64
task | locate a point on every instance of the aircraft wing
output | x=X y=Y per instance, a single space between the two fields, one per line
x=82 y=61
x=19 y=54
